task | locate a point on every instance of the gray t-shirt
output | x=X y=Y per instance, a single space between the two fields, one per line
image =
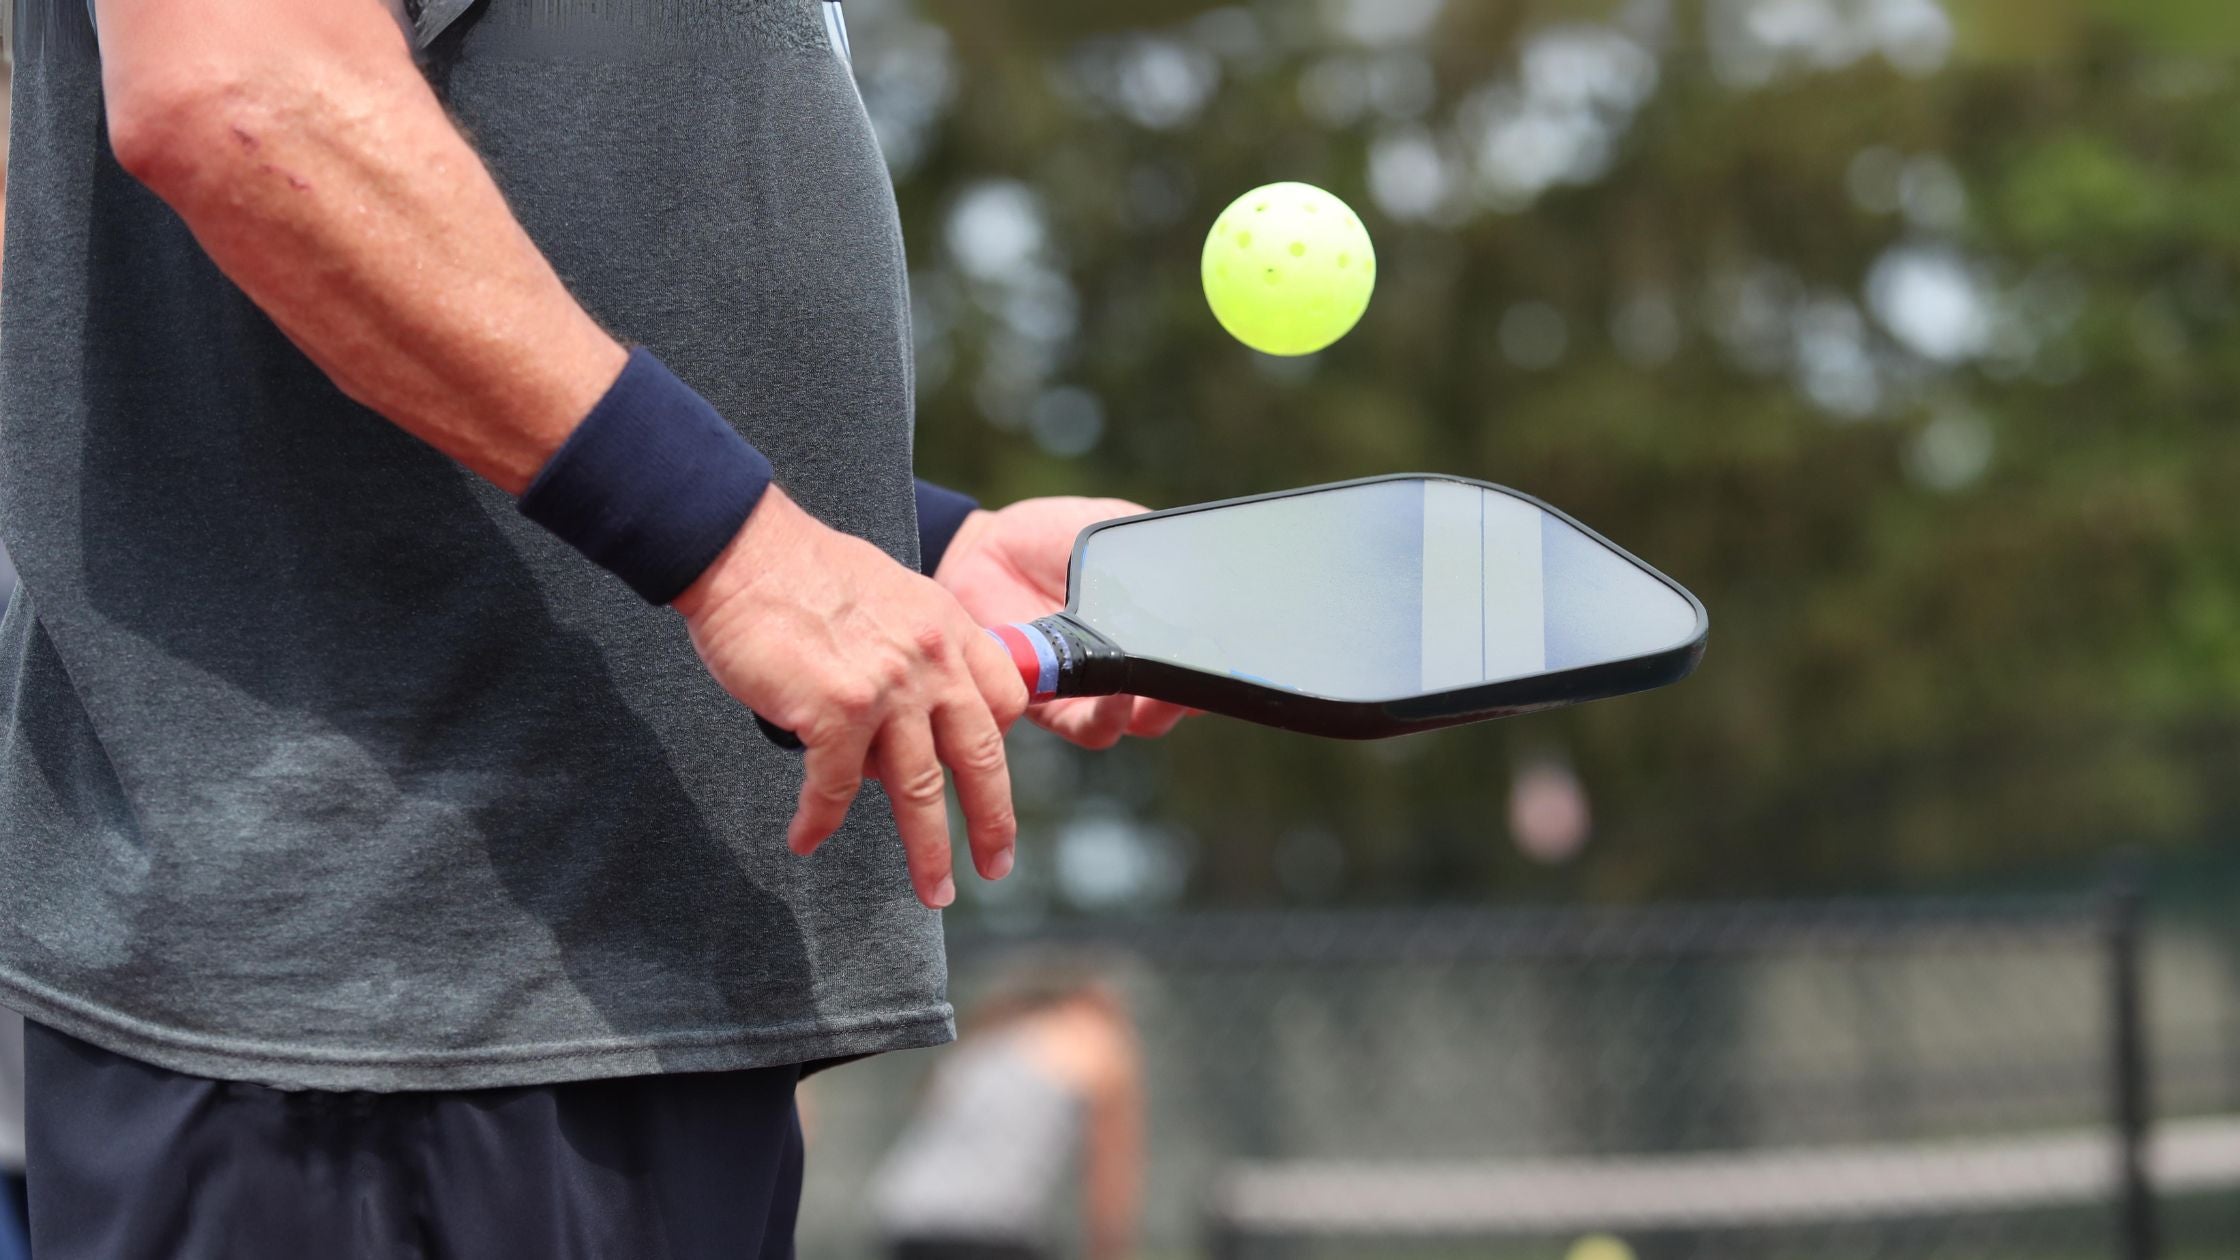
x=320 y=766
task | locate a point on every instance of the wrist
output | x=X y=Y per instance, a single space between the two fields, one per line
x=653 y=485
x=769 y=530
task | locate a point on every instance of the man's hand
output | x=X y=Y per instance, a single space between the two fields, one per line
x=878 y=670
x=1010 y=565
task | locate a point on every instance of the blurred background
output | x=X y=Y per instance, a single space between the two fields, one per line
x=1903 y=333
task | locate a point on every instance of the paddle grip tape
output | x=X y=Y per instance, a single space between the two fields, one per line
x=653 y=485
x=1040 y=656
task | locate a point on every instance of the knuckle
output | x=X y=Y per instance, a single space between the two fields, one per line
x=829 y=791
x=892 y=671
x=999 y=824
x=855 y=699
x=982 y=753
x=930 y=642
x=925 y=786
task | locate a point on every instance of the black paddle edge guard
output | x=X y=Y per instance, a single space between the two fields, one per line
x=1381 y=719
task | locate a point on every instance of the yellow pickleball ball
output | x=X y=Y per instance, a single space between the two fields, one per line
x=1599 y=1247
x=1288 y=268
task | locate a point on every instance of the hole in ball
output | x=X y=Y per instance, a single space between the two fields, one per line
x=1298 y=249
x=1244 y=240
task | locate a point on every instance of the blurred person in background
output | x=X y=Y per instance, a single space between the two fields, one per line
x=1046 y=1083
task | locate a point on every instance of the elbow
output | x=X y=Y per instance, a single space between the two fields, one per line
x=164 y=131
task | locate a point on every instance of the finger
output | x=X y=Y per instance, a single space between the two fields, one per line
x=916 y=791
x=971 y=746
x=1067 y=719
x=993 y=672
x=1097 y=723
x=832 y=774
x=1153 y=718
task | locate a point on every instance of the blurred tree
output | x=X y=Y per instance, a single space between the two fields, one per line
x=1908 y=344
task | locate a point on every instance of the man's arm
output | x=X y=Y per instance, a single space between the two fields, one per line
x=301 y=146
x=314 y=164
x=1112 y=1164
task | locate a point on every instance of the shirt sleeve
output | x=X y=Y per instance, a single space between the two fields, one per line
x=941 y=513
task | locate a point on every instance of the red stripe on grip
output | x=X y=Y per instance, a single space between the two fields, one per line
x=1022 y=655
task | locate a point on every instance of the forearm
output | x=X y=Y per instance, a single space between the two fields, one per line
x=303 y=149
x=1112 y=1218
x=1113 y=1181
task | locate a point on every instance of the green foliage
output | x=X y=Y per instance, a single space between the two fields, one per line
x=1986 y=623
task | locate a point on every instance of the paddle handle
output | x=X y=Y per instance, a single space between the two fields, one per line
x=1041 y=654
x=1048 y=659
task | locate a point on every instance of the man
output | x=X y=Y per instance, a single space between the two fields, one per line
x=379 y=876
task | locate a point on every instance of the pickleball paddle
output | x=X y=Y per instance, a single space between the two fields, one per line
x=1358 y=610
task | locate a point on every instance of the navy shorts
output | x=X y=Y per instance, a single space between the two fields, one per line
x=133 y=1162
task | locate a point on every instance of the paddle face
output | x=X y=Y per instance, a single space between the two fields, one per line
x=1375 y=607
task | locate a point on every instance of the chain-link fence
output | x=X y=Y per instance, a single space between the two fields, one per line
x=1827 y=1080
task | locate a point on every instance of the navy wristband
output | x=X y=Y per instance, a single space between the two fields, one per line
x=941 y=513
x=653 y=484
